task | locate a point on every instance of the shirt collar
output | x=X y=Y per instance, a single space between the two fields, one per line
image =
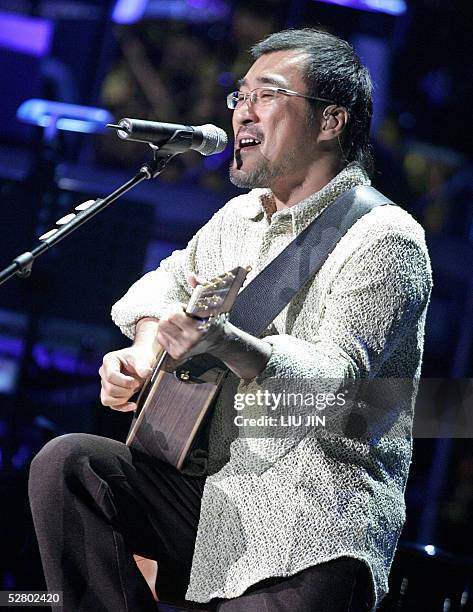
x=258 y=201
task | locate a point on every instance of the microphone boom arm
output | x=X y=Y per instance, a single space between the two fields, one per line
x=22 y=265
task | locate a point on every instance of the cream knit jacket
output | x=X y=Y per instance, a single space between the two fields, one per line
x=273 y=506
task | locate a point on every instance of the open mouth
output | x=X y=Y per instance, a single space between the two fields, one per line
x=244 y=143
x=247 y=143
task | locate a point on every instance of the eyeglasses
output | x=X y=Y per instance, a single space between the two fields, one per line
x=265 y=95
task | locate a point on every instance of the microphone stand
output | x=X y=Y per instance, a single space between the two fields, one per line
x=22 y=265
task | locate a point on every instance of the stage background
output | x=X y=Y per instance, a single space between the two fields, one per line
x=176 y=60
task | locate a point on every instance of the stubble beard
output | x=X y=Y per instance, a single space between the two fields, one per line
x=262 y=174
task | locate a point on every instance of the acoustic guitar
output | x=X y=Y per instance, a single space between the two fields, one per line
x=173 y=404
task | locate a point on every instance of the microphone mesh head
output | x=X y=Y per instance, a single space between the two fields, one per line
x=214 y=139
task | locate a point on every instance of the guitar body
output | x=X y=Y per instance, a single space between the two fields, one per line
x=171 y=408
x=171 y=414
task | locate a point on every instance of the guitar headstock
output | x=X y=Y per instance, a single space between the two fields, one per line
x=218 y=295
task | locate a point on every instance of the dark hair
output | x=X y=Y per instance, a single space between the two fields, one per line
x=333 y=71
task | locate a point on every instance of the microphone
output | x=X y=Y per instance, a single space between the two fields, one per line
x=171 y=137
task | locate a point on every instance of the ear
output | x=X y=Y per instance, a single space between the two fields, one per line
x=333 y=121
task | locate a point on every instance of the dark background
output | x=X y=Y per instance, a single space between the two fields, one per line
x=176 y=61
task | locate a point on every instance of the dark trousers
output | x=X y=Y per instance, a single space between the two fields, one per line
x=95 y=502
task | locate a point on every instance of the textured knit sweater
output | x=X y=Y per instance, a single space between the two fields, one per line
x=274 y=505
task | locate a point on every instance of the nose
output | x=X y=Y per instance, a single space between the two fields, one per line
x=245 y=113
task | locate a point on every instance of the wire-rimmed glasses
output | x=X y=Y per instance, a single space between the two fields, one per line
x=265 y=95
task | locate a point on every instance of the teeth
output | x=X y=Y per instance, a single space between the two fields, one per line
x=246 y=141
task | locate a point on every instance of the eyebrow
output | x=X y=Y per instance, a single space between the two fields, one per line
x=265 y=80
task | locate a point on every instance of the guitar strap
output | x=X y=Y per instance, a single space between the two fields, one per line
x=285 y=276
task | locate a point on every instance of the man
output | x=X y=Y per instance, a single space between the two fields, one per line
x=294 y=524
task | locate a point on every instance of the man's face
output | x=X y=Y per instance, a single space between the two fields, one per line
x=287 y=143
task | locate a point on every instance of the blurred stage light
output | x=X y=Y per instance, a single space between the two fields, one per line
x=129 y=11
x=390 y=7
x=192 y=11
x=8 y=374
x=64 y=116
x=25 y=34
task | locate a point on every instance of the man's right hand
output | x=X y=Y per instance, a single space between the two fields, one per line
x=122 y=374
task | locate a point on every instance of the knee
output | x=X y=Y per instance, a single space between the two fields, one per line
x=50 y=468
x=59 y=454
x=63 y=455
x=72 y=455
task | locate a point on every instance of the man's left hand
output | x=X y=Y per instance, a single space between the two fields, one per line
x=184 y=337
